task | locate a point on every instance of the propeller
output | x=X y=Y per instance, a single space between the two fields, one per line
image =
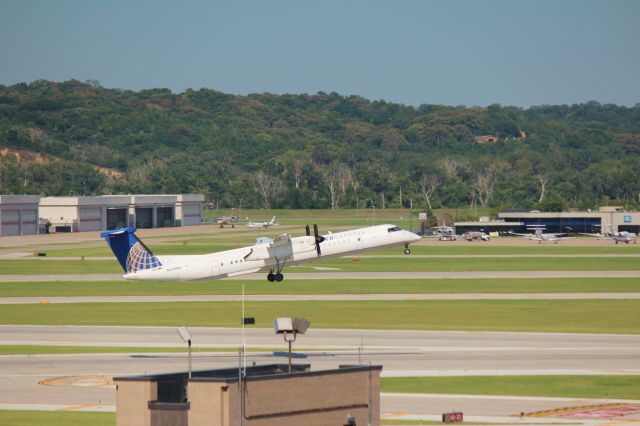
x=317 y=237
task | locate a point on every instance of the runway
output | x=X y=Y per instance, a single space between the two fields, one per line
x=333 y=275
x=77 y=378
x=318 y=297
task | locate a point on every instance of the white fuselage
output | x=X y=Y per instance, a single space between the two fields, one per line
x=266 y=256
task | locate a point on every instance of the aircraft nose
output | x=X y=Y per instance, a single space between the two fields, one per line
x=415 y=237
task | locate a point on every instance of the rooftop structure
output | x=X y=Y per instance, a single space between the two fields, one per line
x=267 y=396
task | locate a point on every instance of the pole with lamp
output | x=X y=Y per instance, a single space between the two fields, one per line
x=290 y=328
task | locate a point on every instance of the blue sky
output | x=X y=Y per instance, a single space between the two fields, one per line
x=455 y=52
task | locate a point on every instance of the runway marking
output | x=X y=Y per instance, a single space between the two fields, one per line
x=86 y=381
x=78 y=407
x=598 y=411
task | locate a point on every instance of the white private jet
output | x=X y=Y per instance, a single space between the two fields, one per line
x=541 y=237
x=139 y=263
x=619 y=237
x=263 y=225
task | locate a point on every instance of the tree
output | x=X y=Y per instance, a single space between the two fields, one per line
x=337 y=178
x=428 y=187
x=267 y=187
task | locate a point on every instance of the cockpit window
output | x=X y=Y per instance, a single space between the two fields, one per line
x=394 y=229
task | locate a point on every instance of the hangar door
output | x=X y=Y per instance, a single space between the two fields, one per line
x=10 y=222
x=165 y=217
x=190 y=214
x=29 y=221
x=144 y=217
x=90 y=218
x=117 y=217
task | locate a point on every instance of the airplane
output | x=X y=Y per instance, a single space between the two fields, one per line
x=619 y=237
x=139 y=262
x=227 y=220
x=540 y=236
x=264 y=225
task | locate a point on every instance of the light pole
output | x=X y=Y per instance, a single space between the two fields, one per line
x=290 y=329
x=373 y=212
x=186 y=337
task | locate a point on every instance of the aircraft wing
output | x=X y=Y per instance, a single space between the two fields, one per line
x=591 y=235
x=282 y=240
x=530 y=236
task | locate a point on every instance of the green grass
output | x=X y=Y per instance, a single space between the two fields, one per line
x=203 y=245
x=417 y=264
x=405 y=264
x=259 y=287
x=614 y=387
x=58 y=267
x=55 y=418
x=572 y=316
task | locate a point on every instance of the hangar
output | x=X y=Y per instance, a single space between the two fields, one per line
x=582 y=222
x=18 y=215
x=74 y=214
x=579 y=222
x=98 y=213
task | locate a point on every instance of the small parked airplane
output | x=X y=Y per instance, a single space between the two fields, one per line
x=139 y=263
x=264 y=225
x=542 y=237
x=619 y=237
x=227 y=220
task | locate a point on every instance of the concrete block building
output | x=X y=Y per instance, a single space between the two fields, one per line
x=19 y=215
x=267 y=396
x=75 y=214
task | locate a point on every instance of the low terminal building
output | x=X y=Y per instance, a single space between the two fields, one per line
x=99 y=213
x=267 y=395
x=19 y=215
x=614 y=219
x=581 y=222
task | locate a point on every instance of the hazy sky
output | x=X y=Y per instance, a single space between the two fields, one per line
x=453 y=52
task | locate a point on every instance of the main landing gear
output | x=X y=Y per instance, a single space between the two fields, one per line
x=407 y=250
x=271 y=277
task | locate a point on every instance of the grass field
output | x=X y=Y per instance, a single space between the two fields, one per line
x=364 y=264
x=55 y=418
x=190 y=244
x=613 y=387
x=234 y=288
x=571 y=316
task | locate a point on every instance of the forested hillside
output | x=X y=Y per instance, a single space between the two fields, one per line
x=313 y=151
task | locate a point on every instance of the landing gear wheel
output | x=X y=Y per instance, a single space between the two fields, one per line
x=407 y=251
x=279 y=277
x=271 y=277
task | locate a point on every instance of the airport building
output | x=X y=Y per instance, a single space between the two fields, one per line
x=75 y=214
x=522 y=221
x=267 y=395
x=18 y=215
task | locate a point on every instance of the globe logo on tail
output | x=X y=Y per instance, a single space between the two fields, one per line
x=139 y=258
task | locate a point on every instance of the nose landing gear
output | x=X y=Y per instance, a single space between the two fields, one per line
x=407 y=250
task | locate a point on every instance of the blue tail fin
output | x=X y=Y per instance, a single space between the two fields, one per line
x=132 y=254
